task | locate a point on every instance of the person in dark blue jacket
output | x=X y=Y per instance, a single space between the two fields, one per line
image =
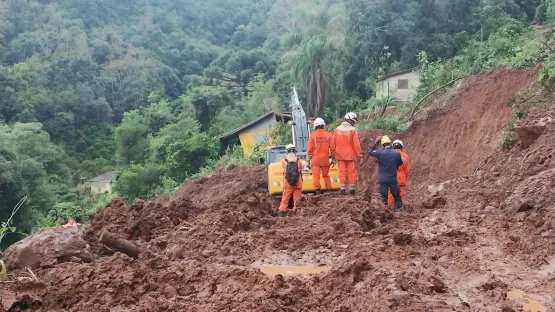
x=388 y=162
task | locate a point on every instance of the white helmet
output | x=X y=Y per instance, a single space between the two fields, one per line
x=290 y=147
x=351 y=116
x=319 y=122
x=397 y=142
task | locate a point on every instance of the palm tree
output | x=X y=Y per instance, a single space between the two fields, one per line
x=316 y=34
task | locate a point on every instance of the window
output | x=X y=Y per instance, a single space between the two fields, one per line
x=402 y=84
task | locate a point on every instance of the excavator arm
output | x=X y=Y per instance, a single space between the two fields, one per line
x=300 y=133
x=299 y=124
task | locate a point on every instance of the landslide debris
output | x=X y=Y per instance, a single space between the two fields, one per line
x=462 y=244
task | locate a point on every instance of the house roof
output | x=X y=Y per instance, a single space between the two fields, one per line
x=380 y=78
x=251 y=123
x=105 y=177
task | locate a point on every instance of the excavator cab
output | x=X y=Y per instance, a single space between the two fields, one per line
x=300 y=133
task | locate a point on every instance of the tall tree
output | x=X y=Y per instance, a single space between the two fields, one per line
x=315 y=36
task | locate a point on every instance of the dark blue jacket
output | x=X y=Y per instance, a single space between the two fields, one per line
x=388 y=162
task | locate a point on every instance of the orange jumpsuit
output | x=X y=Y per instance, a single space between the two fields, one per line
x=291 y=190
x=345 y=145
x=319 y=152
x=402 y=173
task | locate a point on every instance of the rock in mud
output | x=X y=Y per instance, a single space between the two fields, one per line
x=23 y=303
x=437 y=285
x=435 y=190
x=528 y=133
x=252 y=201
x=435 y=202
x=489 y=209
x=533 y=191
x=525 y=205
x=170 y=292
x=374 y=218
x=47 y=247
x=402 y=239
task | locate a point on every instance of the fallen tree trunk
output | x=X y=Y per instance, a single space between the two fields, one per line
x=413 y=111
x=119 y=244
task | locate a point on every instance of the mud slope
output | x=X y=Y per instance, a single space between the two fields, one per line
x=452 y=140
x=479 y=242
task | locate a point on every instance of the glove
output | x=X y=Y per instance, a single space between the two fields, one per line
x=378 y=139
x=308 y=158
x=333 y=160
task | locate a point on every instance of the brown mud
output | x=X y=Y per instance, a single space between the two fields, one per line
x=477 y=234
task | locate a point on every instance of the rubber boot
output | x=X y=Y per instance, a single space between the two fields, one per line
x=318 y=192
x=398 y=209
x=352 y=192
x=282 y=214
x=342 y=192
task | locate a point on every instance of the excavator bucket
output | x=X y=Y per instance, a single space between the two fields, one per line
x=300 y=134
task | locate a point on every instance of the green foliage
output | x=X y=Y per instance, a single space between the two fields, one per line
x=530 y=53
x=519 y=104
x=7 y=227
x=138 y=181
x=547 y=73
x=208 y=102
x=183 y=149
x=131 y=138
x=545 y=11
x=387 y=123
x=315 y=38
x=501 y=45
x=29 y=161
x=508 y=134
x=512 y=44
x=434 y=74
x=281 y=134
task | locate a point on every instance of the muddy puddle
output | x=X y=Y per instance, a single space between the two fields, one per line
x=530 y=303
x=291 y=270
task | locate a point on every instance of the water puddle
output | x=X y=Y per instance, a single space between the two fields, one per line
x=291 y=270
x=530 y=303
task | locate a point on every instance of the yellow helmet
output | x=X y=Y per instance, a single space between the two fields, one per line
x=385 y=140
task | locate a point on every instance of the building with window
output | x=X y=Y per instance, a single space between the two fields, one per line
x=255 y=134
x=401 y=86
x=103 y=183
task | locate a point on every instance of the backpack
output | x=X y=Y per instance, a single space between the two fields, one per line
x=292 y=172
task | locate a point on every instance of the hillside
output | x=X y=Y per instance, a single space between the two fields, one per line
x=478 y=233
x=145 y=88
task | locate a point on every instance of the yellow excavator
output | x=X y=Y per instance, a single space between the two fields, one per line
x=300 y=134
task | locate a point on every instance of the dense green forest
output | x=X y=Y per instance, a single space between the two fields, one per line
x=145 y=87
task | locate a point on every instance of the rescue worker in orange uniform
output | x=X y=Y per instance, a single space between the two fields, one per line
x=345 y=149
x=292 y=171
x=318 y=153
x=402 y=172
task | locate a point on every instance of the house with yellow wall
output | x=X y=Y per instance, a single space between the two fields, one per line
x=254 y=135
